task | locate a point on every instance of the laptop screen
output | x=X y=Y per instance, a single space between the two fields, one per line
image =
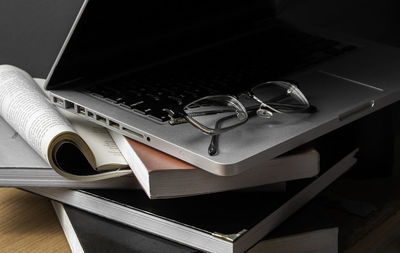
x=119 y=36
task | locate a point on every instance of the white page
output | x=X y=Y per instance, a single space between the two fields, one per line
x=99 y=141
x=25 y=109
x=13 y=147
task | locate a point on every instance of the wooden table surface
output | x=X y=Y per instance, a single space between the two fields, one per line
x=28 y=223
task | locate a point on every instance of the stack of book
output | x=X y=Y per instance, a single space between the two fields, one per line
x=127 y=196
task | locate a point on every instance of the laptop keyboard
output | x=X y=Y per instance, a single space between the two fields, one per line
x=227 y=69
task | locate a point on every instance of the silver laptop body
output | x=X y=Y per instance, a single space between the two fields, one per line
x=343 y=89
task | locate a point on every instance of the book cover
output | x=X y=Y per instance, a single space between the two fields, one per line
x=86 y=232
x=223 y=222
x=164 y=176
x=308 y=230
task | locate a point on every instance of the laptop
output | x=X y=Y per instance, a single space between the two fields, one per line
x=171 y=48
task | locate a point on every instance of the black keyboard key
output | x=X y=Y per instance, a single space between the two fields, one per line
x=162 y=118
x=95 y=94
x=141 y=108
x=175 y=100
x=111 y=100
x=125 y=106
x=158 y=114
x=153 y=97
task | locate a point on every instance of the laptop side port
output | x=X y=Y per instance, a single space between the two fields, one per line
x=58 y=101
x=81 y=110
x=113 y=124
x=132 y=132
x=101 y=119
x=90 y=114
x=62 y=103
x=68 y=104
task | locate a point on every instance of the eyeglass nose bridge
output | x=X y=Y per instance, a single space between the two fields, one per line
x=241 y=115
x=265 y=110
x=264 y=113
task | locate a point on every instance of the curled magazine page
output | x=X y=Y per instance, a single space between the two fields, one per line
x=108 y=156
x=26 y=109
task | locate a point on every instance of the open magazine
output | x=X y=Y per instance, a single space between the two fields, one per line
x=75 y=148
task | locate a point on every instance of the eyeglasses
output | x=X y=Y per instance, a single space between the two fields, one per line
x=217 y=114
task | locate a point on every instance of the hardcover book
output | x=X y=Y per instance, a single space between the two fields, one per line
x=164 y=176
x=309 y=230
x=222 y=222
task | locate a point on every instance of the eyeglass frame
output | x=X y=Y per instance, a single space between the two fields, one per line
x=250 y=94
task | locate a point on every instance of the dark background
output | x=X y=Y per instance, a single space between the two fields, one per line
x=32 y=32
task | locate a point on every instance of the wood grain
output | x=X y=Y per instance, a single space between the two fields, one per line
x=28 y=224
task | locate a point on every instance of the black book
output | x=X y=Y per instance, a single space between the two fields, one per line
x=223 y=222
x=309 y=230
x=88 y=233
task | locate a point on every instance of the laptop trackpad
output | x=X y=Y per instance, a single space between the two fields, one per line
x=338 y=95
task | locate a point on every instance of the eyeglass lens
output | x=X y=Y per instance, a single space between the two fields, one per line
x=281 y=96
x=217 y=112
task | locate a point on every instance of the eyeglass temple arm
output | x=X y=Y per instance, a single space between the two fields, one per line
x=213 y=147
x=295 y=108
x=204 y=113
